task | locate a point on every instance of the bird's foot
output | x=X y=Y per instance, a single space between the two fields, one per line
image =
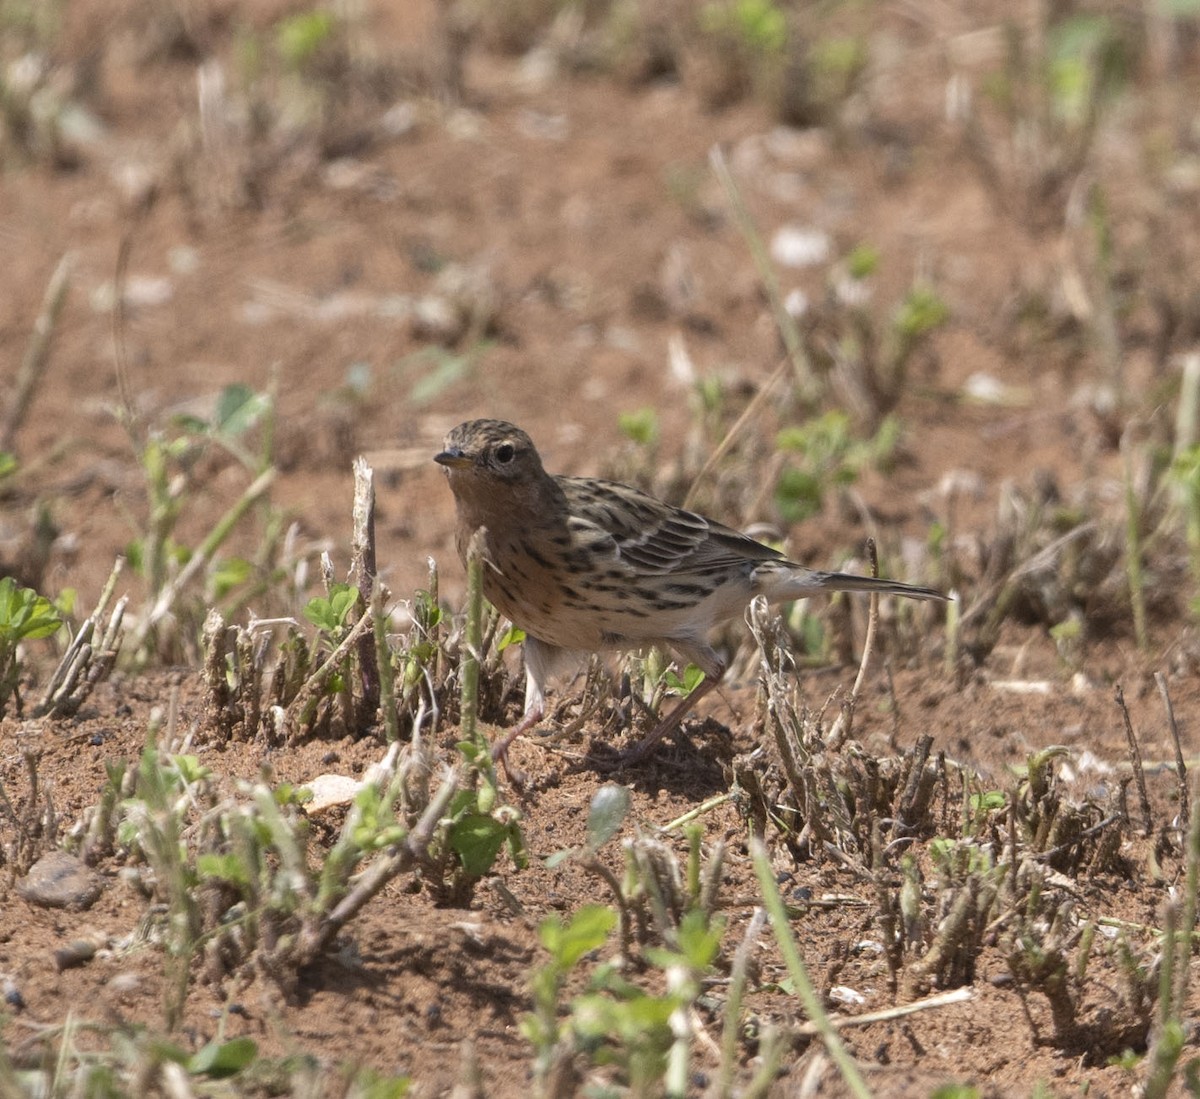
x=517 y=777
x=650 y=741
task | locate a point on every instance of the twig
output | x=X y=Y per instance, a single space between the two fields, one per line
x=801 y=981
x=316 y=682
x=1053 y=852
x=473 y=639
x=939 y=999
x=387 y=679
x=1135 y=758
x=120 y=354
x=312 y=940
x=1133 y=546
x=362 y=576
x=1180 y=766
x=1187 y=921
x=748 y=412
x=1039 y=560
x=699 y=811
x=83 y=657
x=624 y=928
x=845 y=722
x=199 y=559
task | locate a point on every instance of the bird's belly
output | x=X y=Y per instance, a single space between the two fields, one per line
x=610 y=612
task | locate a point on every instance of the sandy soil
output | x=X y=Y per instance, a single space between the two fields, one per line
x=560 y=242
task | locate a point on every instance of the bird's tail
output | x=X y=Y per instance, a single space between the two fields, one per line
x=781 y=582
x=848 y=581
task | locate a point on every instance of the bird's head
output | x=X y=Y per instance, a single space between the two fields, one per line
x=488 y=455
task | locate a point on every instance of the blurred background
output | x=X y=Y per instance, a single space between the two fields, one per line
x=936 y=262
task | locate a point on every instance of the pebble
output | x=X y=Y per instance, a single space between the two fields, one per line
x=60 y=880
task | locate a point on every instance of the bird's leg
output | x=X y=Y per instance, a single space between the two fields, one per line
x=667 y=725
x=535 y=708
x=501 y=747
x=690 y=652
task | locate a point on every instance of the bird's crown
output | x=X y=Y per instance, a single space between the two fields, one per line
x=491 y=446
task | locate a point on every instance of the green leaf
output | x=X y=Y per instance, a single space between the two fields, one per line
x=230 y=574
x=587 y=931
x=512 y=636
x=329 y=614
x=700 y=939
x=988 y=801
x=559 y=857
x=921 y=312
x=239 y=408
x=862 y=262
x=300 y=37
x=609 y=808
x=640 y=426
x=343 y=600
x=190 y=425
x=477 y=839
x=798 y=495
x=221 y=1059
x=369 y=1084
x=447 y=369
x=24 y=614
x=956 y=1091
x=684 y=684
x=228 y=868
x=190 y=769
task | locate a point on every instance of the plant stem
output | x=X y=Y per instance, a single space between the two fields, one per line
x=799 y=974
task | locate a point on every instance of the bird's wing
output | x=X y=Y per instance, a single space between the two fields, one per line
x=649 y=536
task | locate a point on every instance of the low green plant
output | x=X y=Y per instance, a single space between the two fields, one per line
x=869 y=350
x=242 y=426
x=435 y=370
x=237 y=875
x=826 y=458
x=644 y=1037
x=24 y=616
x=1059 y=75
x=1185 y=478
x=80 y=1057
x=660 y=679
x=168 y=789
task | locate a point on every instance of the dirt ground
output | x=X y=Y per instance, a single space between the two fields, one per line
x=560 y=235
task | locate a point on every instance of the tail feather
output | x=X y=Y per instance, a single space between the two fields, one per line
x=780 y=584
x=848 y=581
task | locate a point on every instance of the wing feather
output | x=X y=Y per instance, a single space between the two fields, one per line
x=652 y=538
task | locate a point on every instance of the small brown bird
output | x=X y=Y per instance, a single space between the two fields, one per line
x=584 y=565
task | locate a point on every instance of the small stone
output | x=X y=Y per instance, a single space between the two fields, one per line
x=60 y=880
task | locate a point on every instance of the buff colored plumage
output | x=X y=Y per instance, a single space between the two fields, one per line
x=585 y=565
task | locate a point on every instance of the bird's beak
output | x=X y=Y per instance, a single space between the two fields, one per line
x=453 y=458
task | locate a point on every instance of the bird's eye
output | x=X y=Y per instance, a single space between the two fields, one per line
x=505 y=453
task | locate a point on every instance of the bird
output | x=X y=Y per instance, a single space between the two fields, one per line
x=584 y=565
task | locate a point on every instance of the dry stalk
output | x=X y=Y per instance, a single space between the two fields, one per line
x=949 y=943
x=748 y=413
x=929 y=1003
x=88 y=659
x=314 y=938
x=845 y=723
x=300 y=707
x=363 y=576
x=37 y=354
x=1180 y=766
x=808 y=385
x=200 y=559
x=1135 y=759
